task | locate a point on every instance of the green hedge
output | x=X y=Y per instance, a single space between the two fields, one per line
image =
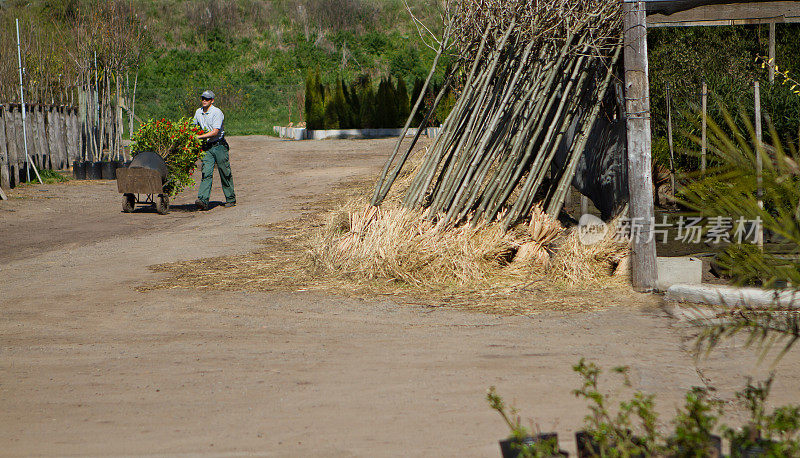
x=358 y=105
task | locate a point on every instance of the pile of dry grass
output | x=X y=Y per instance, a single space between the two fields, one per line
x=535 y=266
x=364 y=243
x=601 y=262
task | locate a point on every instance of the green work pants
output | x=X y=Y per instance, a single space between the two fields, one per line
x=217 y=154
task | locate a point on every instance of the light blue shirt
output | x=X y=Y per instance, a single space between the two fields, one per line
x=209 y=120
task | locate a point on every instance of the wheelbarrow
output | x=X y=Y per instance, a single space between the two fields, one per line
x=145 y=176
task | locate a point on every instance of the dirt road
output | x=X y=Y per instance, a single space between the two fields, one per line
x=89 y=365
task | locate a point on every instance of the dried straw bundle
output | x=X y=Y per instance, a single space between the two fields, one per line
x=371 y=243
x=399 y=245
x=580 y=263
x=543 y=231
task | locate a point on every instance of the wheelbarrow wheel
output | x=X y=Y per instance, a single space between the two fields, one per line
x=128 y=202
x=162 y=205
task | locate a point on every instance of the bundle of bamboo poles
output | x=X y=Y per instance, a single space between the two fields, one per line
x=537 y=77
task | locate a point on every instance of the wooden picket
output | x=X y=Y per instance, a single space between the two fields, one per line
x=5 y=179
x=53 y=136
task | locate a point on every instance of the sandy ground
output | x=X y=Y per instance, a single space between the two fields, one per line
x=89 y=365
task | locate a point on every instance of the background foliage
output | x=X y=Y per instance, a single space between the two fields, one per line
x=725 y=57
x=256 y=55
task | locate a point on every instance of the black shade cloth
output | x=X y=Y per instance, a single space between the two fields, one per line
x=602 y=170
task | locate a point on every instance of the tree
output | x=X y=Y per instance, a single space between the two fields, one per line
x=315 y=101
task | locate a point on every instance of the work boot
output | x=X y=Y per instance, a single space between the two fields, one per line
x=201 y=204
x=230 y=204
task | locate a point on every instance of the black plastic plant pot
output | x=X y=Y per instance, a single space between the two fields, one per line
x=109 y=170
x=94 y=170
x=713 y=447
x=588 y=447
x=512 y=447
x=79 y=170
x=761 y=448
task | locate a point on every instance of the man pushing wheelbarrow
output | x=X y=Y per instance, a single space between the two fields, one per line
x=215 y=151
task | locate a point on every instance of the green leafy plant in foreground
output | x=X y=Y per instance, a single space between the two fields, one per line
x=614 y=434
x=772 y=434
x=632 y=430
x=519 y=433
x=694 y=425
x=177 y=143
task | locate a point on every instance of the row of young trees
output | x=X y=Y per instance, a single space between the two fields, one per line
x=360 y=104
x=79 y=52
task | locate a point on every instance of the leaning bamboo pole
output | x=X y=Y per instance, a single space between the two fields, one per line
x=531 y=71
x=380 y=189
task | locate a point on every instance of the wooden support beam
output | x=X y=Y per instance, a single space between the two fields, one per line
x=703 y=128
x=759 y=158
x=735 y=13
x=5 y=175
x=771 y=65
x=640 y=179
x=671 y=147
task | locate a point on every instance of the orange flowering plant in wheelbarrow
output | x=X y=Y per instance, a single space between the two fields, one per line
x=177 y=143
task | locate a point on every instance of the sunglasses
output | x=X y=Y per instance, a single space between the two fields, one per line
x=204 y=98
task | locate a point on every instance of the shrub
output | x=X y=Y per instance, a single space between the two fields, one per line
x=358 y=106
x=631 y=429
x=177 y=143
x=315 y=102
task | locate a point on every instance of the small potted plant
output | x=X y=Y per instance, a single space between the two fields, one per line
x=521 y=443
x=694 y=425
x=768 y=435
x=611 y=435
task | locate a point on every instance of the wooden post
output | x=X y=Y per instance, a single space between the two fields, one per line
x=11 y=142
x=50 y=113
x=5 y=178
x=83 y=117
x=35 y=131
x=584 y=205
x=640 y=178
x=36 y=153
x=669 y=140
x=41 y=138
x=69 y=115
x=21 y=164
x=52 y=130
x=759 y=159
x=771 y=65
x=703 y=139
x=61 y=118
x=76 y=154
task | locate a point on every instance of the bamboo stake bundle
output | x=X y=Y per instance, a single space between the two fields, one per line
x=539 y=71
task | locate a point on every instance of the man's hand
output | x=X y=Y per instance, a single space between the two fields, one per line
x=211 y=133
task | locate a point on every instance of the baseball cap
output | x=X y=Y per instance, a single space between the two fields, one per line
x=207 y=95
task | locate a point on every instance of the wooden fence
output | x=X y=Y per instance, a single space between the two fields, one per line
x=54 y=140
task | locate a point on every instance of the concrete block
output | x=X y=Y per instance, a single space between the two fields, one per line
x=301 y=133
x=675 y=270
x=731 y=296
